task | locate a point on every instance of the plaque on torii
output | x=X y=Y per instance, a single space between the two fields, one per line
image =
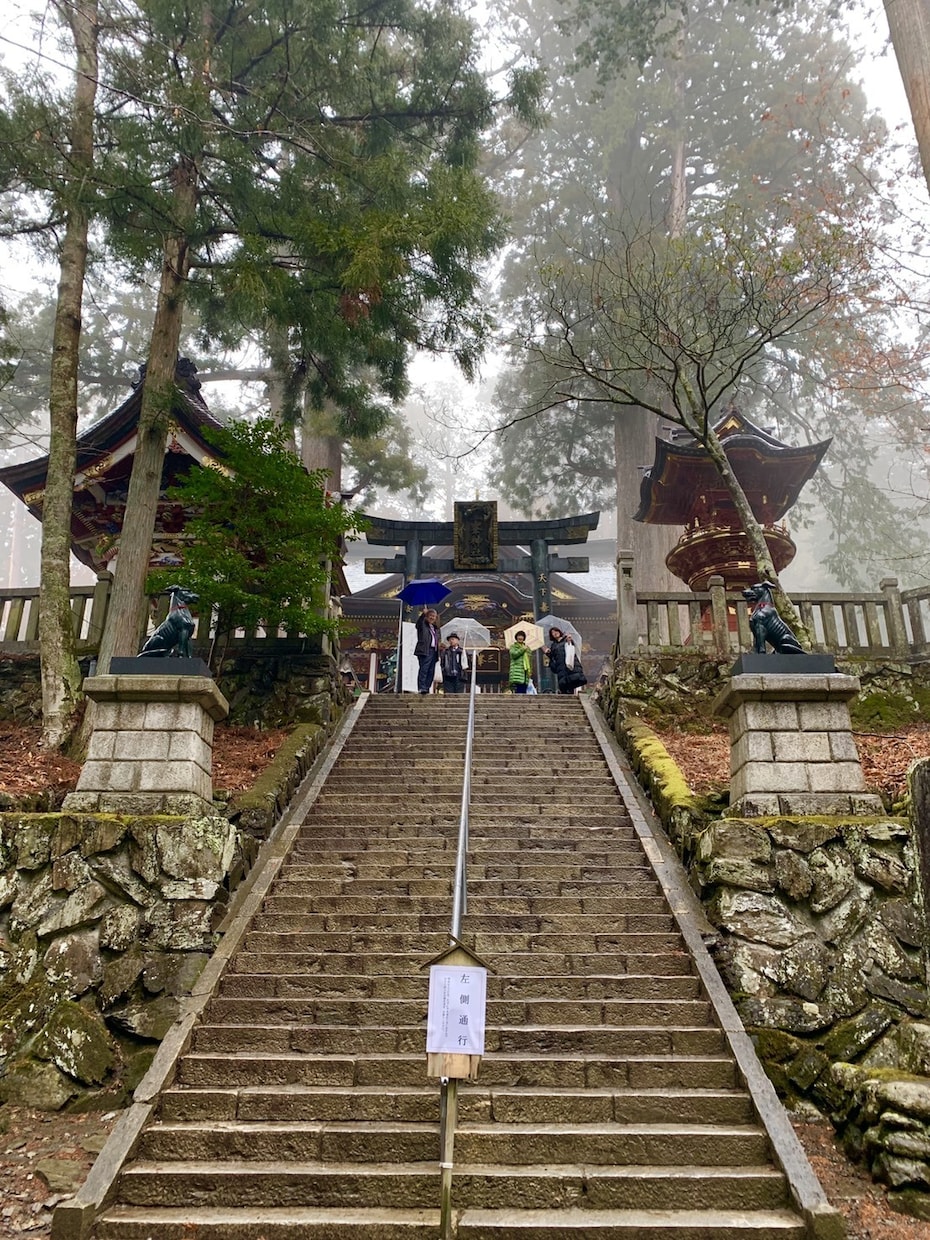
x=477 y=537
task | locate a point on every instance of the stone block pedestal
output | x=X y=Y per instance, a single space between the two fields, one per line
x=791 y=746
x=151 y=751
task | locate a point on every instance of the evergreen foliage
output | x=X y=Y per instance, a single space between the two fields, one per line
x=261 y=532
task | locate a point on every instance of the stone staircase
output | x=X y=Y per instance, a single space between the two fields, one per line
x=609 y=1103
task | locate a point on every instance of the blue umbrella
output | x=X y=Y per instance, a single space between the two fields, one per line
x=422 y=591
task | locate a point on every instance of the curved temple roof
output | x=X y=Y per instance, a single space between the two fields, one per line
x=683 y=480
x=104 y=462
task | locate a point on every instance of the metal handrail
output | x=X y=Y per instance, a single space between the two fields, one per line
x=459 y=888
x=448 y=1088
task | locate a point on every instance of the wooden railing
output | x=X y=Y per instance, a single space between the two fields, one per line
x=888 y=623
x=19 y=617
x=19 y=625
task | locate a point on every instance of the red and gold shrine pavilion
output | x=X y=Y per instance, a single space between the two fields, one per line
x=105 y=454
x=684 y=487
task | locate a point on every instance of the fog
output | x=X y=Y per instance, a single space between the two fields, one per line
x=767 y=106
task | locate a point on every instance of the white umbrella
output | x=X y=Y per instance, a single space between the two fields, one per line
x=535 y=637
x=553 y=622
x=470 y=633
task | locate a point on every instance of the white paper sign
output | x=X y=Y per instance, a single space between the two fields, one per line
x=456 y=1015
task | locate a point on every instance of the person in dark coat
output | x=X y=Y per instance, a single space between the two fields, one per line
x=427 y=648
x=454 y=664
x=568 y=679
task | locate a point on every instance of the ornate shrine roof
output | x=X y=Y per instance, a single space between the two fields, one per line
x=104 y=462
x=683 y=482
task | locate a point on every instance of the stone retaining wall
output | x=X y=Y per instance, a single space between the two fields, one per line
x=822 y=941
x=106 y=921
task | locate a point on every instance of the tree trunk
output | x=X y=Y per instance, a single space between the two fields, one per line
x=634 y=450
x=321 y=448
x=126 y=613
x=758 y=546
x=61 y=675
x=909 y=24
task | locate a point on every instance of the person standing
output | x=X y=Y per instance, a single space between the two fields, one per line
x=454 y=663
x=520 y=670
x=565 y=667
x=427 y=648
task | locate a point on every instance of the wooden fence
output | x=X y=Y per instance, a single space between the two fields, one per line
x=19 y=625
x=886 y=624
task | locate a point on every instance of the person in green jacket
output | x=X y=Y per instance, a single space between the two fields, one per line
x=520 y=673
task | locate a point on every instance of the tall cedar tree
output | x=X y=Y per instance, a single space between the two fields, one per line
x=310 y=168
x=47 y=155
x=768 y=112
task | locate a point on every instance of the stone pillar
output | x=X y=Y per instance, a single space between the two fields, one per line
x=791 y=746
x=151 y=750
x=627 y=630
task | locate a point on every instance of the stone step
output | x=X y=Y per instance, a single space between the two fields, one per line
x=620 y=911
x=515 y=965
x=482 y=893
x=484 y=944
x=411 y=863
x=615 y=932
x=582 y=1224
x=414 y=1186
x=590 y=927
x=509 y=880
x=322 y=847
x=263 y=1223
x=384 y=1223
x=280 y=1038
x=418 y=922
x=338 y=1010
x=561 y=820
x=420 y=1104
x=605 y=1143
x=414 y=985
x=203 y=1069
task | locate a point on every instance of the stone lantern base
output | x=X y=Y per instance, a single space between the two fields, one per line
x=791 y=746
x=151 y=751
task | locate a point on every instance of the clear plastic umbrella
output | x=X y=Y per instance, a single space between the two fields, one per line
x=554 y=622
x=471 y=634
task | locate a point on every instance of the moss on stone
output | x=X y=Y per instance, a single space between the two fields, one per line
x=663 y=778
x=257 y=809
x=884 y=712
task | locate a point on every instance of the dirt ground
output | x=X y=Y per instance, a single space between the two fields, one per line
x=44 y=1157
x=705 y=760
x=239 y=756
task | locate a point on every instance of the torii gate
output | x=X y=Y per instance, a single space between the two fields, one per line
x=476 y=537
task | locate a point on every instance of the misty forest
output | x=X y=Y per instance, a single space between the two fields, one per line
x=454 y=250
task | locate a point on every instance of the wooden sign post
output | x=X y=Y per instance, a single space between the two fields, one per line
x=455 y=1023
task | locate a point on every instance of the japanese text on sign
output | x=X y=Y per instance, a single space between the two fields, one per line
x=457 y=1002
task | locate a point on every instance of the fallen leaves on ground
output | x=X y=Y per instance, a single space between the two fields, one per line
x=705 y=760
x=850 y=1188
x=25 y=767
x=240 y=755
